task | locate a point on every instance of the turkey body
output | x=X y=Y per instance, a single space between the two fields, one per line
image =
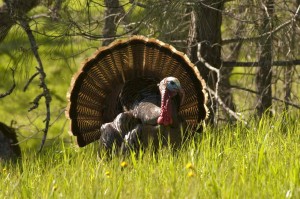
x=8 y=140
x=134 y=91
x=152 y=118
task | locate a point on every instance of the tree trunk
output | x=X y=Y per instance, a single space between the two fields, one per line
x=208 y=20
x=264 y=72
x=110 y=28
x=224 y=86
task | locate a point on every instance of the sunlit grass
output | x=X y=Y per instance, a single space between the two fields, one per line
x=258 y=161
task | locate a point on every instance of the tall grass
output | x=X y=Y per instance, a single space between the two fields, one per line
x=260 y=160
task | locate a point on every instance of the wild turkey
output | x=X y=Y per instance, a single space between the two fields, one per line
x=134 y=90
x=8 y=148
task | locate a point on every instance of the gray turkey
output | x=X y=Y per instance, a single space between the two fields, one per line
x=134 y=91
x=8 y=140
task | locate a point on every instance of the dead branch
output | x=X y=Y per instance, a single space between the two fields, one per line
x=11 y=88
x=227 y=109
x=132 y=30
x=210 y=67
x=35 y=102
x=278 y=28
x=42 y=74
x=55 y=9
x=273 y=98
x=257 y=64
x=133 y=2
x=30 y=80
x=215 y=93
x=249 y=39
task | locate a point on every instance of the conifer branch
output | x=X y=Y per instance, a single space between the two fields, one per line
x=42 y=74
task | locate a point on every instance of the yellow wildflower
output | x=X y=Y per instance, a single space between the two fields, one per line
x=107 y=173
x=189 y=166
x=124 y=164
x=54 y=187
x=191 y=174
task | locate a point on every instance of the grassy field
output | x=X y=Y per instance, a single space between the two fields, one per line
x=261 y=160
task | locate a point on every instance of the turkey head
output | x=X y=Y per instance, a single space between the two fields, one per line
x=169 y=87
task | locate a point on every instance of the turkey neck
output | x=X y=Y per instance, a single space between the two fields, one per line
x=165 y=117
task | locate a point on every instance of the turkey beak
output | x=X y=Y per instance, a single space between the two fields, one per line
x=181 y=95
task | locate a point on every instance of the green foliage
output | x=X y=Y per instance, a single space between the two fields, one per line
x=61 y=53
x=255 y=161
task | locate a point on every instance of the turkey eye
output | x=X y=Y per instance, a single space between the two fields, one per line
x=172 y=83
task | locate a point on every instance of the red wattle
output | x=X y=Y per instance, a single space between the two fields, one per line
x=164 y=120
x=165 y=117
x=160 y=120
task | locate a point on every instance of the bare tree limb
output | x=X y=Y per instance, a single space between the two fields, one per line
x=278 y=28
x=274 y=98
x=215 y=93
x=227 y=109
x=289 y=71
x=43 y=85
x=55 y=9
x=256 y=64
x=217 y=71
x=30 y=80
x=35 y=102
x=138 y=4
x=249 y=39
x=12 y=87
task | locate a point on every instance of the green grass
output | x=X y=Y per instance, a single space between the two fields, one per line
x=257 y=161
